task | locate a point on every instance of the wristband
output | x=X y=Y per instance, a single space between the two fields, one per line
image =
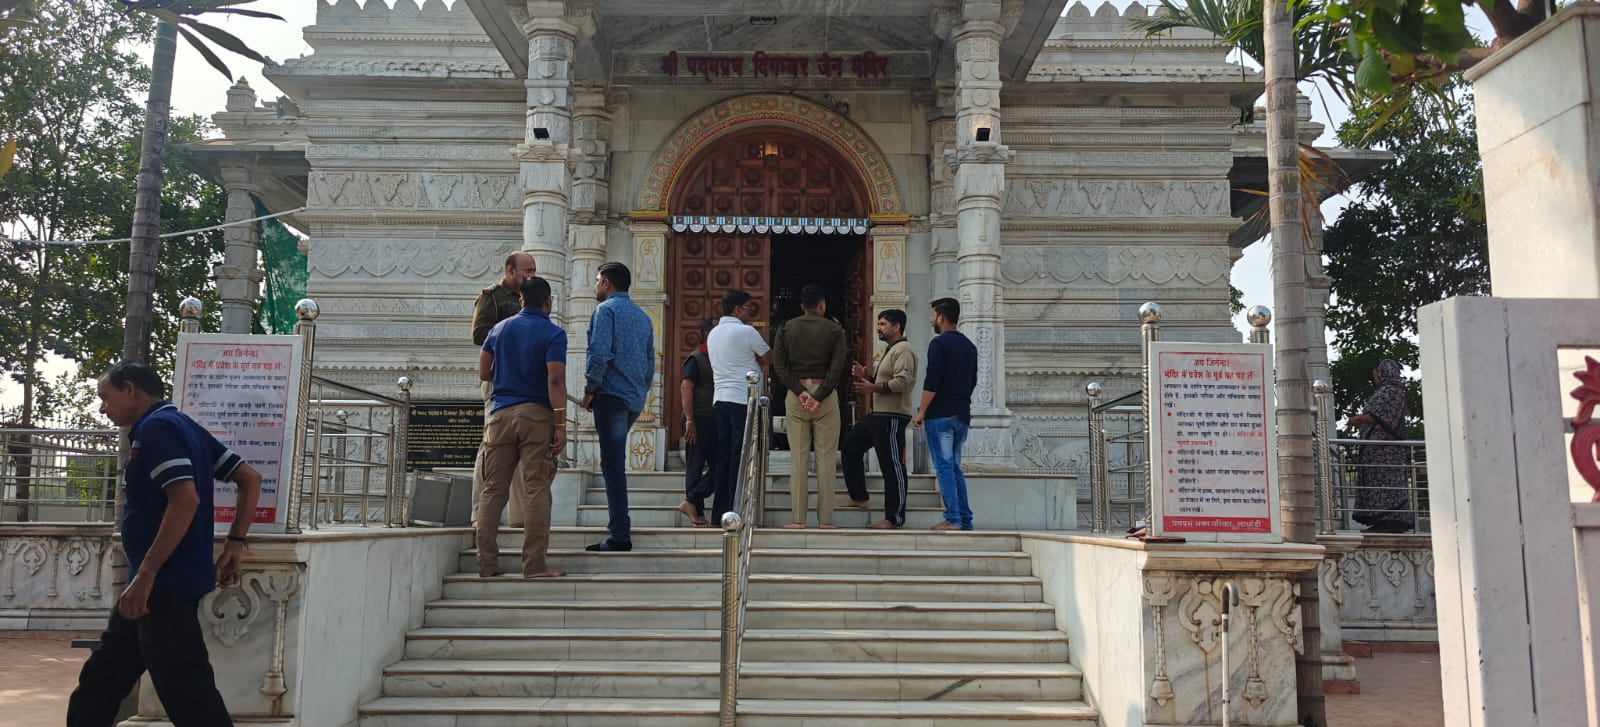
x=238 y=539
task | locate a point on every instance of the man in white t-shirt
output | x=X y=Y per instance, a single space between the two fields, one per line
x=735 y=348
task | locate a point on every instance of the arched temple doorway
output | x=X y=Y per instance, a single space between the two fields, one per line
x=769 y=197
x=765 y=192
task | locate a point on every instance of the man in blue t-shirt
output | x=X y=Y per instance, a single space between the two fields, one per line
x=946 y=410
x=167 y=536
x=525 y=357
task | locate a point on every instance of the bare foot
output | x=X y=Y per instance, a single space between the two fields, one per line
x=490 y=573
x=695 y=518
x=855 y=504
x=945 y=526
x=884 y=524
x=827 y=526
x=795 y=526
x=548 y=572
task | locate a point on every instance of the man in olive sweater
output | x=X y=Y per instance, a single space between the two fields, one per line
x=884 y=430
x=809 y=360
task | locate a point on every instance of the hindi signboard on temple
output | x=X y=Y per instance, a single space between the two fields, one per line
x=443 y=434
x=245 y=391
x=1212 y=443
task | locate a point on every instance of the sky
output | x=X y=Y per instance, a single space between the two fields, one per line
x=200 y=89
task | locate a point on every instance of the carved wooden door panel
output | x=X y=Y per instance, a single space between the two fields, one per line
x=705 y=266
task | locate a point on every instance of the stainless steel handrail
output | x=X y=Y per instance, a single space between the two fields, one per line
x=1342 y=483
x=738 y=525
x=66 y=475
x=1129 y=410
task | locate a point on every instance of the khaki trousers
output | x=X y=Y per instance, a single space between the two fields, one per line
x=477 y=470
x=516 y=441
x=809 y=432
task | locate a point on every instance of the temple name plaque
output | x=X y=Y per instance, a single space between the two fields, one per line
x=1212 y=442
x=443 y=434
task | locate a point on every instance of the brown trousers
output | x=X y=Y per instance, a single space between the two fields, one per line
x=809 y=432
x=477 y=471
x=516 y=440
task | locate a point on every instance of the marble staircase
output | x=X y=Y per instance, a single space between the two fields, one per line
x=653 y=499
x=852 y=627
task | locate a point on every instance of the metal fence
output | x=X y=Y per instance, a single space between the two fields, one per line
x=1352 y=477
x=1118 y=463
x=738 y=527
x=58 y=475
x=354 y=470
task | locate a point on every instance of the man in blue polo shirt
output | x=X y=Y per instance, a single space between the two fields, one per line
x=525 y=357
x=167 y=536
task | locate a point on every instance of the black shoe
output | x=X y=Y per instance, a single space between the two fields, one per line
x=606 y=546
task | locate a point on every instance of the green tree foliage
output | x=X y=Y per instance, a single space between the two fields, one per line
x=69 y=102
x=1415 y=236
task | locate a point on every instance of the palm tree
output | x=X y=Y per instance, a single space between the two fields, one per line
x=1296 y=484
x=175 y=17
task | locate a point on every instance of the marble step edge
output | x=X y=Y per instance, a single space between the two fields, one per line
x=838 y=490
x=645 y=606
x=760 y=552
x=1075 y=710
x=797 y=669
x=868 y=578
x=465 y=633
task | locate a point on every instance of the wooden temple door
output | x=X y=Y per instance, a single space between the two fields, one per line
x=748 y=176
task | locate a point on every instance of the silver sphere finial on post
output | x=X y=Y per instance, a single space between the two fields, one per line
x=404 y=383
x=752 y=377
x=190 y=307
x=1258 y=316
x=731 y=521
x=1094 y=389
x=307 y=309
x=1320 y=386
x=1150 y=312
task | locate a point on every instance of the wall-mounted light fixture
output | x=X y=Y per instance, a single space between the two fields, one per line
x=981 y=133
x=539 y=132
x=769 y=148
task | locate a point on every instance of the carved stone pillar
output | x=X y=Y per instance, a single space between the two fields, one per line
x=1337 y=666
x=647 y=443
x=1317 y=297
x=980 y=160
x=238 y=278
x=888 y=271
x=546 y=150
x=941 y=205
x=586 y=237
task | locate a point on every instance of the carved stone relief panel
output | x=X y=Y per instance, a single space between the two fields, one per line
x=1129 y=198
x=1388 y=591
x=1115 y=265
x=56 y=574
x=413 y=190
x=413 y=258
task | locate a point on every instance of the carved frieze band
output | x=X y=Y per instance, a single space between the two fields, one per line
x=55 y=572
x=1158 y=265
x=420 y=258
x=1390 y=585
x=413 y=190
x=1118 y=198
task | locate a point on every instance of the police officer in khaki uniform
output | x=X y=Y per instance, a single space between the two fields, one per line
x=497 y=303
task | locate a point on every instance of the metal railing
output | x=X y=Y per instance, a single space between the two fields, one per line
x=355 y=469
x=738 y=525
x=58 y=475
x=1117 y=460
x=1348 y=484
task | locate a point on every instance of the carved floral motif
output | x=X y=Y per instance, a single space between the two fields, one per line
x=1586 y=432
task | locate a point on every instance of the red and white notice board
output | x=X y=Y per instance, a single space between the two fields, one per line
x=1213 y=463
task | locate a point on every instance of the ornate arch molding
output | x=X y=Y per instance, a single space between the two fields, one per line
x=712 y=122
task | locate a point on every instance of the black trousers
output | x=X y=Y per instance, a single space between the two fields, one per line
x=699 y=459
x=168 y=643
x=887 y=436
x=730 y=439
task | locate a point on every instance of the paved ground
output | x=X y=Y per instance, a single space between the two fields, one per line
x=1397 y=690
x=38 y=671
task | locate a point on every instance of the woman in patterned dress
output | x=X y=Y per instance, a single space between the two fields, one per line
x=1382 y=502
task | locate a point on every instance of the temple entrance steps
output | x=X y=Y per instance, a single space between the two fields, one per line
x=855 y=627
x=653 y=499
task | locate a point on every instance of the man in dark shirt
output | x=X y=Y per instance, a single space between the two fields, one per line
x=946 y=410
x=525 y=359
x=167 y=536
x=497 y=303
x=809 y=356
x=696 y=387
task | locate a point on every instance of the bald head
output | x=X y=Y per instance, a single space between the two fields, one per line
x=520 y=266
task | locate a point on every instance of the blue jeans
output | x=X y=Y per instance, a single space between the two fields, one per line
x=612 y=420
x=946 y=437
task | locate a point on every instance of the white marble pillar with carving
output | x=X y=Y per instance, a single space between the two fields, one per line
x=238 y=276
x=941 y=203
x=980 y=158
x=647 y=443
x=586 y=238
x=546 y=151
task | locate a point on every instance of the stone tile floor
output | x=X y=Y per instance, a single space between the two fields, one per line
x=39 y=669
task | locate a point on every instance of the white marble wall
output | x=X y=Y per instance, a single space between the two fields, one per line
x=304 y=637
x=1385 y=590
x=1144 y=624
x=56 y=577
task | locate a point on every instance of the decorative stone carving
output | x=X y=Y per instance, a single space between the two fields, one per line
x=1158 y=590
x=55 y=577
x=1388 y=590
x=407 y=190
x=1156 y=265
x=352 y=256
x=1123 y=198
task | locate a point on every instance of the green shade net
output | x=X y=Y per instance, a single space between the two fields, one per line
x=286 y=273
